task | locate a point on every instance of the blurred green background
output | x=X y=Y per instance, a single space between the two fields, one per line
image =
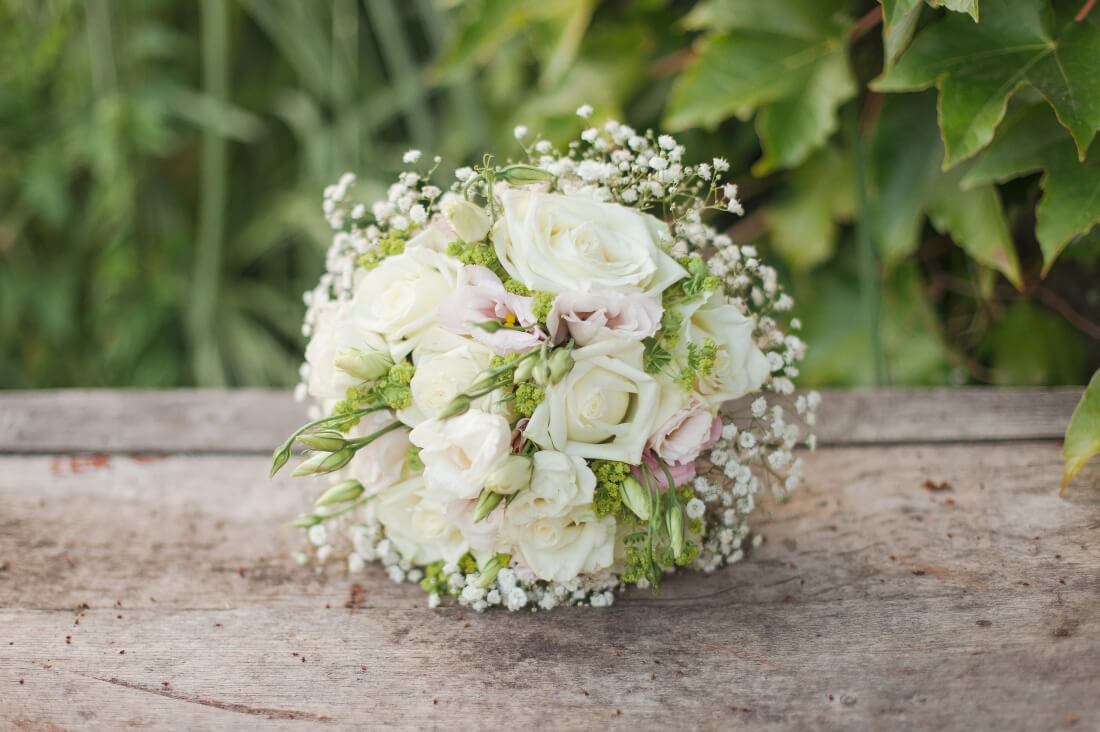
x=161 y=165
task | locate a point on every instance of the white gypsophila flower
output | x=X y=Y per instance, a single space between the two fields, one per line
x=520 y=132
x=411 y=156
x=695 y=509
x=584 y=111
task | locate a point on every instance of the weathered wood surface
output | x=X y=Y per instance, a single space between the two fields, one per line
x=255 y=420
x=157 y=591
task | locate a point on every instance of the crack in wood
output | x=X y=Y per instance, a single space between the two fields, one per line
x=270 y=713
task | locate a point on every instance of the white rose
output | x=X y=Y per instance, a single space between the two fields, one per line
x=381 y=463
x=559 y=548
x=550 y=241
x=335 y=331
x=440 y=377
x=559 y=483
x=461 y=452
x=740 y=367
x=400 y=297
x=604 y=408
x=588 y=316
x=416 y=523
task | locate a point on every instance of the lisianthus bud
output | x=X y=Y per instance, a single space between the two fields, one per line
x=306 y=521
x=541 y=372
x=523 y=371
x=367 y=365
x=491 y=569
x=525 y=174
x=636 y=498
x=469 y=220
x=324 y=462
x=458 y=405
x=486 y=502
x=675 y=521
x=559 y=365
x=346 y=490
x=513 y=474
x=327 y=440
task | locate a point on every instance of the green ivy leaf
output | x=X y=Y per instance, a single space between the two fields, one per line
x=1083 y=433
x=1031 y=140
x=786 y=60
x=906 y=184
x=899 y=22
x=803 y=222
x=978 y=67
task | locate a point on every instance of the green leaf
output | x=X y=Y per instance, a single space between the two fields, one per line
x=970 y=7
x=1083 y=433
x=803 y=222
x=786 y=60
x=906 y=184
x=1052 y=352
x=978 y=67
x=1032 y=140
x=899 y=22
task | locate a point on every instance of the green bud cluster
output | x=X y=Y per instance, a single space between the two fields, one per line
x=540 y=308
x=529 y=396
x=476 y=253
x=391 y=244
x=610 y=475
x=516 y=287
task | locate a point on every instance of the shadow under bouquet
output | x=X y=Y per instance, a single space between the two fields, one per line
x=519 y=378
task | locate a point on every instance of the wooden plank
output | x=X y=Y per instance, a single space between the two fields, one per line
x=874 y=603
x=255 y=420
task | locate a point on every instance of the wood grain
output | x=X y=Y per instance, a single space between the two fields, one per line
x=874 y=603
x=256 y=420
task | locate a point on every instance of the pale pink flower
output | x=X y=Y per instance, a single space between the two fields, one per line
x=686 y=433
x=481 y=297
x=587 y=316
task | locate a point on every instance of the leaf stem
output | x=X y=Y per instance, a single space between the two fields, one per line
x=870 y=287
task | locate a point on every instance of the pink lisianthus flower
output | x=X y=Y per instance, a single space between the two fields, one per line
x=481 y=297
x=681 y=472
x=586 y=316
x=692 y=429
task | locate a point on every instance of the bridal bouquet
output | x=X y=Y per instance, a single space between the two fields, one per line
x=519 y=378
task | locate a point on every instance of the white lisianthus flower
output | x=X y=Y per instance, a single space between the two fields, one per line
x=336 y=334
x=400 y=297
x=437 y=235
x=550 y=241
x=589 y=316
x=559 y=483
x=604 y=408
x=440 y=377
x=460 y=453
x=416 y=523
x=740 y=367
x=559 y=548
x=381 y=463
